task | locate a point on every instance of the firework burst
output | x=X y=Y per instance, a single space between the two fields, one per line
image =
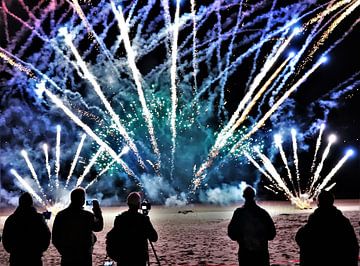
x=169 y=81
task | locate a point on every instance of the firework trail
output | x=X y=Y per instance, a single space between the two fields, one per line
x=27 y=187
x=278 y=144
x=32 y=170
x=317 y=146
x=47 y=164
x=174 y=100
x=333 y=171
x=296 y=159
x=315 y=177
x=124 y=151
x=182 y=64
x=137 y=76
x=75 y=160
x=57 y=154
x=88 y=167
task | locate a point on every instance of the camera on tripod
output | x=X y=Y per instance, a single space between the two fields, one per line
x=145 y=207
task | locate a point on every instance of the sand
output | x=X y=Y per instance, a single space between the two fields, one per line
x=199 y=237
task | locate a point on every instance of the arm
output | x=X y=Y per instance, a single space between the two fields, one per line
x=56 y=233
x=98 y=224
x=233 y=227
x=271 y=228
x=8 y=237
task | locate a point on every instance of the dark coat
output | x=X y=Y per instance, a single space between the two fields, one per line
x=26 y=236
x=252 y=227
x=327 y=239
x=73 y=235
x=127 y=240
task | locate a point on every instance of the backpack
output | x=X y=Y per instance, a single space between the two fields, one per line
x=113 y=244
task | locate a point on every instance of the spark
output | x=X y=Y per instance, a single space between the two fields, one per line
x=75 y=160
x=317 y=146
x=57 y=153
x=174 y=100
x=46 y=153
x=86 y=128
x=296 y=159
x=136 y=75
x=100 y=93
x=32 y=170
x=88 y=167
x=27 y=187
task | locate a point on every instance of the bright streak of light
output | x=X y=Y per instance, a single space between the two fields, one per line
x=27 y=187
x=225 y=135
x=316 y=176
x=137 y=76
x=16 y=65
x=31 y=168
x=88 y=167
x=89 y=76
x=296 y=159
x=278 y=144
x=274 y=174
x=257 y=166
x=86 y=128
x=333 y=171
x=194 y=61
x=76 y=158
x=47 y=164
x=174 y=55
x=262 y=121
x=318 y=143
x=57 y=153
x=124 y=151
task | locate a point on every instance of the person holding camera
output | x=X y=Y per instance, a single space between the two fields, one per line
x=73 y=230
x=126 y=242
x=26 y=235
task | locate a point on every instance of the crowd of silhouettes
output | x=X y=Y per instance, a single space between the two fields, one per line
x=327 y=239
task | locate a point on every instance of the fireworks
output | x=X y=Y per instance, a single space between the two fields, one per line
x=299 y=193
x=155 y=80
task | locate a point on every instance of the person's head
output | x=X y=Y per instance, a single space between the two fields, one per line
x=249 y=193
x=325 y=199
x=77 y=197
x=25 y=200
x=133 y=200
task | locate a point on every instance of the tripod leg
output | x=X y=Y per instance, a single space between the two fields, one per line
x=157 y=259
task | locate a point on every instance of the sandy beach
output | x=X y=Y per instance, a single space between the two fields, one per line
x=199 y=237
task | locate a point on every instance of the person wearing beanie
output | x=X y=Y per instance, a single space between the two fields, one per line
x=127 y=241
x=252 y=227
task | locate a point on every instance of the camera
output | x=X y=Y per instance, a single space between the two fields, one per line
x=46 y=215
x=145 y=207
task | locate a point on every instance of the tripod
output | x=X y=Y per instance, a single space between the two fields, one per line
x=153 y=249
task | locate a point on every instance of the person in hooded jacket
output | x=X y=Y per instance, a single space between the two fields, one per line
x=328 y=237
x=26 y=235
x=127 y=241
x=252 y=227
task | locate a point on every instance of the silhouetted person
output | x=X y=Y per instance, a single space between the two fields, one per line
x=73 y=230
x=126 y=243
x=252 y=227
x=328 y=237
x=26 y=235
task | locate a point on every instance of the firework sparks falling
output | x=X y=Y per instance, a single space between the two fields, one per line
x=57 y=154
x=27 y=187
x=159 y=79
x=47 y=164
x=300 y=196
